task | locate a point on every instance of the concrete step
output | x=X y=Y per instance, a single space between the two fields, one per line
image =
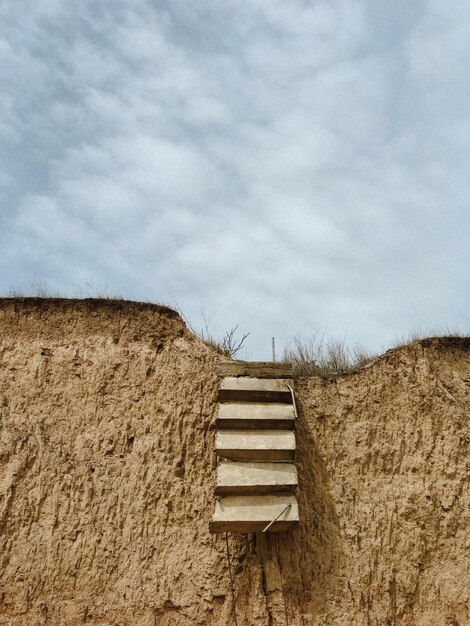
x=257 y=369
x=246 y=389
x=256 y=415
x=256 y=384
x=255 y=445
x=235 y=478
x=251 y=514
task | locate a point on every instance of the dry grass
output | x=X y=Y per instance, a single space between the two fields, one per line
x=228 y=345
x=34 y=288
x=315 y=356
x=39 y=288
x=419 y=334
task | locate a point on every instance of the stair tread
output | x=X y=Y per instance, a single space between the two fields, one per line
x=246 y=383
x=255 y=477
x=255 y=445
x=255 y=439
x=255 y=410
x=260 y=369
x=253 y=513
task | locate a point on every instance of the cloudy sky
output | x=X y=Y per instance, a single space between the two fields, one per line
x=285 y=165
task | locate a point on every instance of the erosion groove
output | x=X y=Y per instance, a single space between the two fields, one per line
x=107 y=413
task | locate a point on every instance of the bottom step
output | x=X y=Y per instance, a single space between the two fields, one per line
x=251 y=514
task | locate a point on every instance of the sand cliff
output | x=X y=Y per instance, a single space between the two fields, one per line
x=107 y=470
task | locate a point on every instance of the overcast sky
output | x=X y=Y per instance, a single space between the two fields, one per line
x=284 y=165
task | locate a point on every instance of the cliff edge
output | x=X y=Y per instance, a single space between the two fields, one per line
x=107 y=471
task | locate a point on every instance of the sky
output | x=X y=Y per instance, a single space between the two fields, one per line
x=286 y=166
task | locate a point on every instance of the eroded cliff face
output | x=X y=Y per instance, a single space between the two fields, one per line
x=107 y=470
x=391 y=466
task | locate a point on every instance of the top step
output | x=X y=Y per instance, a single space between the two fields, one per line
x=245 y=389
x=256 y=369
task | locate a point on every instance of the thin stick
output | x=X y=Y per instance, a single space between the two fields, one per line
x=231 y=581
x=278 y=555
x=276 y=518
x=293 y=401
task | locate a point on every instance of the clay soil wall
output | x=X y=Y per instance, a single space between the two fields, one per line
x=107 y=471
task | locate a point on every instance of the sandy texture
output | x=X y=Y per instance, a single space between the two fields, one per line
x=107 y=474
x=390 y=459
x=106 y=477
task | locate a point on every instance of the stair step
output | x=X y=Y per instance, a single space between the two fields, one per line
x=251 y=514
x=256 y=384
x=258 y=369
x=255 y=445
x=255 y=478
x=249 y=389
x=247 y=415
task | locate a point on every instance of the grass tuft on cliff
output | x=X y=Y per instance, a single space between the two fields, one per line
x=315 y=356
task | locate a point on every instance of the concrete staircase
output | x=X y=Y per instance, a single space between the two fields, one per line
x=255 y=440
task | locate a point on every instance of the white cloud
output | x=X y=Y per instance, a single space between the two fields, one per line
x=289 y=166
